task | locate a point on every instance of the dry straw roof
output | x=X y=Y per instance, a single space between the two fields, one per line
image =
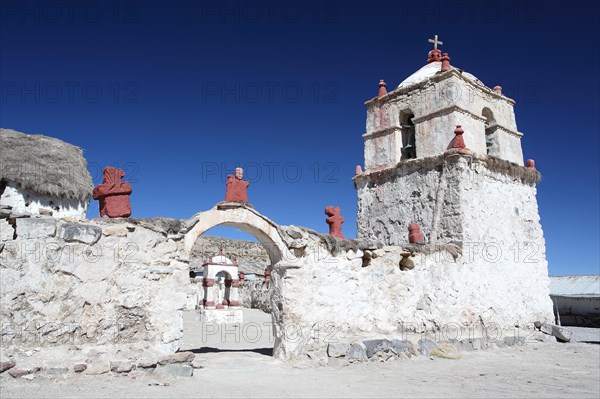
x=44 y=165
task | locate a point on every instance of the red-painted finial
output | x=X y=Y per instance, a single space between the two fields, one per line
x=530 y=164
x=435 y=54
x=458 y=143
x=446 y=63
x=382 y=89
x=414 y=234
x=498 y=89
x=358 y=170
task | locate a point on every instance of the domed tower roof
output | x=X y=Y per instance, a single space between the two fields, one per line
x=429 y=70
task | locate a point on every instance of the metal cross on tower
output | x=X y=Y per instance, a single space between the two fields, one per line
x=435 y=42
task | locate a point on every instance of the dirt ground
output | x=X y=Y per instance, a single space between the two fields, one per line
x=236 y=363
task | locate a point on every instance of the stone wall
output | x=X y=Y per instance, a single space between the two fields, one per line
x=256 y=295
x=451 y=198
x=91 y=285
x=120 y=286
x=421 y=190
x=446 y=292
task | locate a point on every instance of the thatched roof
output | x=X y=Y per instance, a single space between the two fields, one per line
x=44 y=165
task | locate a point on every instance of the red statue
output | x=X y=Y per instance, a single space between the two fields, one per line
x=530 y=164
x=113 y=194
x=236 y=189
x=334 y=221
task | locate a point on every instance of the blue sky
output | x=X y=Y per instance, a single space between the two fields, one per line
x=179 y=93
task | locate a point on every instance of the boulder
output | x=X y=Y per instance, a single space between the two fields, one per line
x=7 y=365
x=36 y=227
x=6 y=230
x=146 y=363
x=80 y=367
x=399 y=346
x=121 y=366
x=377 y=345
x=561 y=334
x=84 y=233
x=338 y=349
x=426 y=346
x=179 y=357
x=16 y=373
x=446 y=351
x=117 y=230
x=357 y=353
x=98 y=368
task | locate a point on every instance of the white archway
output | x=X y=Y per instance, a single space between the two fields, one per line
x=243 y=218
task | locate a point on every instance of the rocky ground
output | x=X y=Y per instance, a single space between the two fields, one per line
x=236 y=363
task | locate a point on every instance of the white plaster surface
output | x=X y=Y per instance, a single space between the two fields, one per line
x=24 y=201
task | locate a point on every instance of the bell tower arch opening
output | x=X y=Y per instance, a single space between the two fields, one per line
x=409 y=142
x=491 y=137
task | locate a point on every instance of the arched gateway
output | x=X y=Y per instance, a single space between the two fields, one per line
x=242 y=217
x=262 y=228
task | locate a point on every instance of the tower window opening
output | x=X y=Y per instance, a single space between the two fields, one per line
x=409 y=142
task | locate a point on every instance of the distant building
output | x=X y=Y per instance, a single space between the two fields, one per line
x=43 y=175
x=576 y=299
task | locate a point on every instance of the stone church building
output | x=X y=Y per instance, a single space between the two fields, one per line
x=442 y=158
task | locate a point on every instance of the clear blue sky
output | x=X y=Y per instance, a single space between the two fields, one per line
x=179 y=93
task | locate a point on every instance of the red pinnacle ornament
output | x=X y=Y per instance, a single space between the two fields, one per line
x=434 y=55
x=530 y=164
x=458 y=143
x=382 y=90
x=446 y=63
x=414 y=234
